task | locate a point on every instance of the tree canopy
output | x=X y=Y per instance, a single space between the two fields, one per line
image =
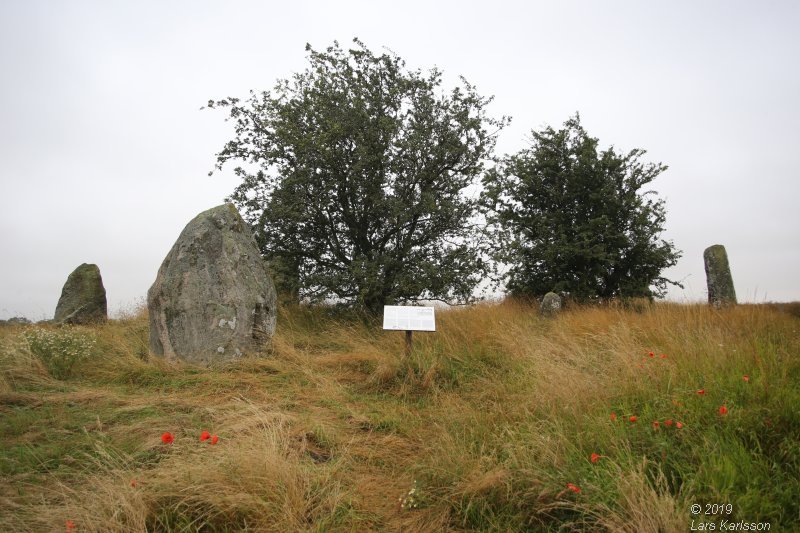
x=355 y=175
x=567 y=217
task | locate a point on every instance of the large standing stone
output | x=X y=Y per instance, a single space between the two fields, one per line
x=83 y=298
x=718 y=276
x=551 y=305
x=213 y=298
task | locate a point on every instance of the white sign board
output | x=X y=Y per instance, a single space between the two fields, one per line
x=408 y=318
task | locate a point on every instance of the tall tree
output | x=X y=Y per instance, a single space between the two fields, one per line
x=567 y=217
x=355 y=179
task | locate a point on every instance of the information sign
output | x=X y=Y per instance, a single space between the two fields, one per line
x=408 y=318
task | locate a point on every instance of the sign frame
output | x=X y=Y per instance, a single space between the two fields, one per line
x=409 y=318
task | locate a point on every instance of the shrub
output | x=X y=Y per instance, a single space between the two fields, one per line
x=60 y=349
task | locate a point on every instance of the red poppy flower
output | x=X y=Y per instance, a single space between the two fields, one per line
x=651 y=354
x=214 y=439
x=204 y=436
x=167 y=438
x=663 y=356
x=746 y=378
x=573 y=488
x=678 y=425
x=633 y=419
x=70 y=525
x=133 y=483
x=595 y=457
x=701 y=391
x=723 y=410
x=668 y=422
x=613 y=417
x=656 y=425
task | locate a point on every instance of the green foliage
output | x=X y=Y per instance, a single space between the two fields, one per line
x=356 y=176
x=60 y=349
x=569 y=218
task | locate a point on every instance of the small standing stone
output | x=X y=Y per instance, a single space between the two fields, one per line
x=83 y=298
x=551 y=305
x=718 y=277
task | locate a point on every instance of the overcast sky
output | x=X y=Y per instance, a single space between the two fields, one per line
x=104 y=152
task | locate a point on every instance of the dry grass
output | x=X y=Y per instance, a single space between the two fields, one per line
x=644 y=505
x=493 y=415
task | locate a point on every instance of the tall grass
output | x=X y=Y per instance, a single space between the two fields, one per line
x=492 y=421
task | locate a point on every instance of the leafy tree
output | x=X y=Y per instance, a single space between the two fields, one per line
x=355 y=179
x=567 y=217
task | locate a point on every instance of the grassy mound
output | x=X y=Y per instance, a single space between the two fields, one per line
x=607 y=419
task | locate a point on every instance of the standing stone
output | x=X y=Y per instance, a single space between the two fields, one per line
x=551 y=305
x=213 y=298
x=718 y=276
x=83 y=298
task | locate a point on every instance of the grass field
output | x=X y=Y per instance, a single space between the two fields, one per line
x=603 y=419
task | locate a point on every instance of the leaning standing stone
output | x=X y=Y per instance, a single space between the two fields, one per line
x=213 y=298
x=551 y=305
x=718 y=276
x=83 y=298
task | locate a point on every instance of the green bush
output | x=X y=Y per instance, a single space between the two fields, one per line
x=60 y=349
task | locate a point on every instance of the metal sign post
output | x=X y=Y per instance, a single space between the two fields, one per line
x=409 y=319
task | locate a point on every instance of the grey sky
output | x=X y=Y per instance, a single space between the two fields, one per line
x=105 y=153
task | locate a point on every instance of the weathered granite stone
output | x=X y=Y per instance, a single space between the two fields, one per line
x=551 y=305
x=83 y=298
x=213 y=298
x=718 y=276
